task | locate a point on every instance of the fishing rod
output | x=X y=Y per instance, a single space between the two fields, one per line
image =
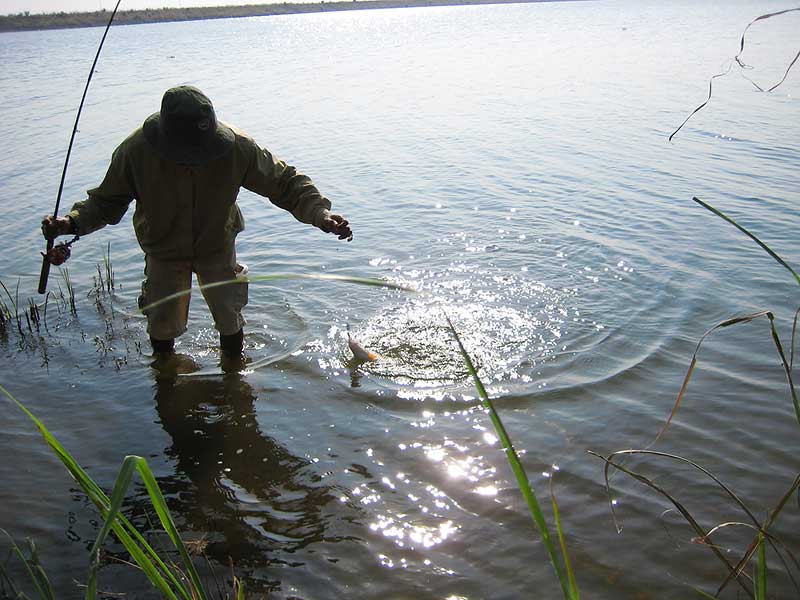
x=58 y=254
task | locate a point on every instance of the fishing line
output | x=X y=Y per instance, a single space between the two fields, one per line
x=51 y=255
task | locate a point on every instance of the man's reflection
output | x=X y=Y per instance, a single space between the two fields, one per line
x=244 y=491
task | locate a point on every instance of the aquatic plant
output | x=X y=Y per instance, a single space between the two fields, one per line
x=755 y=585
x=70 y=291
x=5 y=313
x=14 y=301
x=787 y=365
x=172 y=581
x=109 y=269
x=704 y=536
x=33 y=568
x=104 y=280
x=737 y=60
x=33 y=315
x=564 y=573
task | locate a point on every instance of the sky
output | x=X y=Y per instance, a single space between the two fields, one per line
x=47 y=6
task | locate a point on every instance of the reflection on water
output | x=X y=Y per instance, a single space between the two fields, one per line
x=245 y=493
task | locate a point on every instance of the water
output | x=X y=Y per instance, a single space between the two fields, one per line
x=513 y=162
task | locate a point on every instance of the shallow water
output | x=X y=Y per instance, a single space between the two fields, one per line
x=512 y=163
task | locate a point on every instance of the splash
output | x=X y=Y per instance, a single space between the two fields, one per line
x=509 y=324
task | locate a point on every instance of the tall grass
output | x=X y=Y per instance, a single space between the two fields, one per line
x=172 y=581
x=109 y=269
x=104 y=282
x=564 y=572
x=754 y=585
x=70 y=291
x=33 y=568
x=14 y=306
x=738 y=62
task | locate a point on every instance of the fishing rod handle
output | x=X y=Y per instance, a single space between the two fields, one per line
x=45 y=269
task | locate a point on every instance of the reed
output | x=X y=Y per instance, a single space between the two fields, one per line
x=70 y=291
x=564 y=573
x=787 y=365
x=752 y=236
x=738 y=62
x=14 y=302
x=164 y=577
x=5 y=313
x=704 y=537
x=33 y=313
x=727 y=323
x=104 y=280
x=754 y=585
x=33 y=568
x=109 y=269
x=99 y=282
x=761 y=570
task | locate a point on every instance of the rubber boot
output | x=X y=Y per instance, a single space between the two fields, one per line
x=232 y=345
x=162 y=346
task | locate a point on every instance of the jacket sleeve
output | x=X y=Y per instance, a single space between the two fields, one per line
x=107 y=203
x=285 y=187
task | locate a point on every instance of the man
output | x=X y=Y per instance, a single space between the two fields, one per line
x=185 y=169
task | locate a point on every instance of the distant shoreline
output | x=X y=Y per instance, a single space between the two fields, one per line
x=62 y=20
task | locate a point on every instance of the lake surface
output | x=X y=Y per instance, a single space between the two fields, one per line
x=511 y=161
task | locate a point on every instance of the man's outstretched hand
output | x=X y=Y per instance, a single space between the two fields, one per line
x=338 y=225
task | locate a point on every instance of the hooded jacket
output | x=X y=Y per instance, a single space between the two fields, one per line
x=184 y=212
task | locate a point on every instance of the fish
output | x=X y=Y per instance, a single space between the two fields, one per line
x=359 y=352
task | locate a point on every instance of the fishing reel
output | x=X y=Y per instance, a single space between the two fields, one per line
x=58 y=254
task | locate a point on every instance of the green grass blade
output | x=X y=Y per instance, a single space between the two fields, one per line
x=10 y=297
x=761 y=570
x=34 y=569
x=516 y=466
x=117 y=496
x=751 y=236
x=794 y=331
x=573 y=585
x=786 y=366
x=38 y=570
x=754 y=523
x=693 y=363
x=148 y=560
x=169 y=525
x=702 y=593
x=160 y=578
x=702 y=534
x=767 y=524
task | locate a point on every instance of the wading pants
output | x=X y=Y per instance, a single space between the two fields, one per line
x=163 y=278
